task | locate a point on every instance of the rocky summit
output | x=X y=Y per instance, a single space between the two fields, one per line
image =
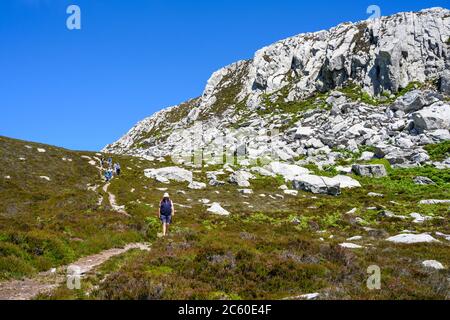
x=379 y=86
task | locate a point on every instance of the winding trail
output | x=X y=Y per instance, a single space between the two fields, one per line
x=47 y=281
x=113 y=203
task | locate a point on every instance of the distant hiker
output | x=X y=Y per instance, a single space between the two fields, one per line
x=117 y=169
x=102 y=162
x=166 y=212
x=110 y=162
x=108 y=175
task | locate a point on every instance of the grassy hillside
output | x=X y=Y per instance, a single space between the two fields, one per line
x=272 y=248
x=48 y=222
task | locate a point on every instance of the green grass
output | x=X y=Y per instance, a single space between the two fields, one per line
x=439 y=151
x=257 y=252
x=44 y=224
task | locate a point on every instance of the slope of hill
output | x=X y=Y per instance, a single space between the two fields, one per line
x=53 y=209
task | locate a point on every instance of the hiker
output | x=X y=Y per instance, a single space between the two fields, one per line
x=110 y=161
x=106 y=174
x=117 y=169
x=166 y=212
x=102 y=162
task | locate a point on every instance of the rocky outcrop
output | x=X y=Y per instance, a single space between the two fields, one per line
x=343 y=83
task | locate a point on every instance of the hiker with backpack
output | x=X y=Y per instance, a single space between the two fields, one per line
x=117 y=169
x=166 y=212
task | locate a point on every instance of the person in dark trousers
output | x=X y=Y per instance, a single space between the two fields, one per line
x=166 y=213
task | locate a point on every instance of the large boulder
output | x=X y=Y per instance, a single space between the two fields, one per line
x=317 y=184
x=370 y=170
x=433 y=117
x=288 y=171
x=415 y=100
x=169 y=173
x=216 y=208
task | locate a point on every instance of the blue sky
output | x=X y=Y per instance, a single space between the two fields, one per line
x=83 y=89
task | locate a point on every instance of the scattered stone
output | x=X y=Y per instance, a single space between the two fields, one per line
x=408 y=238
x=349 y=245
x=241 y=178
x=446 y=236
x=197 y=185
x=217 y=209
x=355 y=238
x=353 y=211
x=366 y=156
x=418 y=218
x=390 y=214
x=375 y=195
x=344 y=170
x=423 y=181
x=283 y=187
x=245 y=191
x=370 y=170
x=40 y=150
x=7 y=177
x=291 y=192
x=434 y=201
x=45 y=178
x=433 y=264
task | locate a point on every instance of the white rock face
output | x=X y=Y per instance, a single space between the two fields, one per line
x=169 y=173
x=381 y=57
x=409 y=238
x=217 y=209
x=433 y=264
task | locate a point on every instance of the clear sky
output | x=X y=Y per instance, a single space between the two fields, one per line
x=83 y=89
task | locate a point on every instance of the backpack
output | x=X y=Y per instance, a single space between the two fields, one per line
x=166 y=208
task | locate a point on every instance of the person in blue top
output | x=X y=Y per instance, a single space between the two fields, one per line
x=166 y=212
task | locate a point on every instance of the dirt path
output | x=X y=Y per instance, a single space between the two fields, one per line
x=113 y=203
x=47 y=281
